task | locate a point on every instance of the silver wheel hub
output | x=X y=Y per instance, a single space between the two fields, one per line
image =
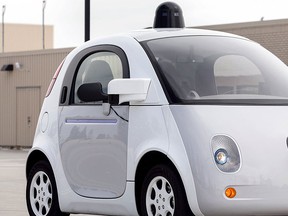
x=160 y=199
x=41 y=194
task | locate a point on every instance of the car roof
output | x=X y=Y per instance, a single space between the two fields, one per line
x=152 y=34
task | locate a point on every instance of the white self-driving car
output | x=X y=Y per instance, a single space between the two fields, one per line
x=163 y=122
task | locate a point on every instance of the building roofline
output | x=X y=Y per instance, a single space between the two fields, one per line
x=36 y=52
x=253 y=24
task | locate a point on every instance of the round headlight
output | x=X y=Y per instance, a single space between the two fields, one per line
x=226 y=154
x=221 y=156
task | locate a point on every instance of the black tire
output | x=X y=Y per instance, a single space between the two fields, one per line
x=41 y=191
x=162 y=193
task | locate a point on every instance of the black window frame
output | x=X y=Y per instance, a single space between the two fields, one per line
x=68 y=84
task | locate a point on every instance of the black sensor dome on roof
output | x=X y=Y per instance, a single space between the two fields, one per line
x=168 y=15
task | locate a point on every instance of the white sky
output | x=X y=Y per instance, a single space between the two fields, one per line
x=114 y=16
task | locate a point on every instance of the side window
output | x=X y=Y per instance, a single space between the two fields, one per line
x=100 y=67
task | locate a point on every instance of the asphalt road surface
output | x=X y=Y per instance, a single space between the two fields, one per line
x=13 y=183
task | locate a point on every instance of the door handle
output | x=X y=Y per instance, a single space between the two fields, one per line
x=29 y=121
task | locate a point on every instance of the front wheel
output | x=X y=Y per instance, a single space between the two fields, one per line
x=163 y=194
x=41 y=191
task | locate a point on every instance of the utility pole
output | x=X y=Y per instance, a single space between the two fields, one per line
x=3 y=32
x=43 y=23
x=87 y=20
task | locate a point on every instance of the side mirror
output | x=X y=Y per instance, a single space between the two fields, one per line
x=128 y=90
x=91 y=92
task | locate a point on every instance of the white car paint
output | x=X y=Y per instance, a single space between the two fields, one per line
x=181 y=132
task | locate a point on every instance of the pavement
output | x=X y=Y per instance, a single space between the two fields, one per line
x=13 y=183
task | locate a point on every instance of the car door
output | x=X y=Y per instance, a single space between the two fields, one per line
x=93 y=145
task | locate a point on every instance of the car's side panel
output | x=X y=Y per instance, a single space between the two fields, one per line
x=47 y=142
x=93 y=149
x=153 y=128
x=147 y=132
x=178 y=154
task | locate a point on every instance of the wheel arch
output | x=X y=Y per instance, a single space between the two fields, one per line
x=33 y=158
x=147 y=161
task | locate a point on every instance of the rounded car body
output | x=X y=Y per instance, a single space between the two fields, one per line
x=200 y=112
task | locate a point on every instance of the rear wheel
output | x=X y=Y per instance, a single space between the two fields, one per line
x=41 y=191
x=163 y=194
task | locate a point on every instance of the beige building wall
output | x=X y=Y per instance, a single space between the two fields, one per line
x=272 y=34
x=22 y=92
x=23 y=37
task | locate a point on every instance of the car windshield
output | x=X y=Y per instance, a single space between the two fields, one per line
x=215 y=69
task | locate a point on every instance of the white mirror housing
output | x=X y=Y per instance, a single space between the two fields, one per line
x=132 y=89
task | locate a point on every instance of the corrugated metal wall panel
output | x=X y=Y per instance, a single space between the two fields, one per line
x=37 y=69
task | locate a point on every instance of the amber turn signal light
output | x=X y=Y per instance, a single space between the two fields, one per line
x=230 y=192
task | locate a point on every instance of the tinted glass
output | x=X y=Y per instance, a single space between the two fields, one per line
x=219 y=70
